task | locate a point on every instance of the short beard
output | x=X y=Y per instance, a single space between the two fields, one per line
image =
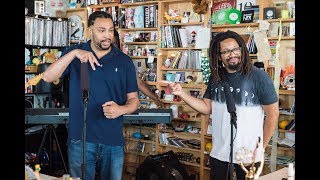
x=234 y=66
x=104 y=48
x=98 y=44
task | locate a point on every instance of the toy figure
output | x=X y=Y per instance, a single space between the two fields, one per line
x=193 y=41
x=190 y=80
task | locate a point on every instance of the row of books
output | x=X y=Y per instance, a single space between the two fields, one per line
x=139 y=17
x=187 y=59
x=175 y=36
x=46 y=32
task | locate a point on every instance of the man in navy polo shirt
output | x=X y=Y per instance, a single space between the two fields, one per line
x=112 y=93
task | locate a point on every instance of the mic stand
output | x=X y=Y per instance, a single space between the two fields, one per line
x=233 y=120
x=84 y=134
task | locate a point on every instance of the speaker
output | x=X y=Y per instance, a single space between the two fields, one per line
x=162 y=166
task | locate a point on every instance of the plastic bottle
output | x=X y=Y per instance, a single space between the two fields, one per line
x=36 y=171
x=290 y=171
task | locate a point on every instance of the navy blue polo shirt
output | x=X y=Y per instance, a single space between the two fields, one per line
x=111 y=82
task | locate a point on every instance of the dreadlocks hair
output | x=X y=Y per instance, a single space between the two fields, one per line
x=216 y=67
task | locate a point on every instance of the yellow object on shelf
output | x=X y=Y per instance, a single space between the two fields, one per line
x=283 y=124
x=208 y=146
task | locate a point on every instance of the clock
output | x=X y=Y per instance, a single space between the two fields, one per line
x=269 y=13
x=76 y=27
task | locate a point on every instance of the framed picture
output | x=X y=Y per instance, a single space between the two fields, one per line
x=269 y=13
x=140 y=146
x=247 y=16
x=140 y=65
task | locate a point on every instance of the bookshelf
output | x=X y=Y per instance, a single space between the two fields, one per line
x=139 y=51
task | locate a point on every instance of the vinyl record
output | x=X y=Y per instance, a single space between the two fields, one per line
x=233 y=16
x=220 y=16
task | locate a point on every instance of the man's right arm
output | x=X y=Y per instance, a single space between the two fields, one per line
x=55 y=70
x=201 y=105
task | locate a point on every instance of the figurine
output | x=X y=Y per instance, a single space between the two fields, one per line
x=190 y=80
x=173 y=16
x=167 y=63
x=193 y=41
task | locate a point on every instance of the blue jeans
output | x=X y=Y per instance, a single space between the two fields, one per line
x=106 y=159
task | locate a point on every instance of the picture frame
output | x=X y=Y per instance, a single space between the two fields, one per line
x=269 y=13
x=140 y=146
x=247 y=16
x=140 y=65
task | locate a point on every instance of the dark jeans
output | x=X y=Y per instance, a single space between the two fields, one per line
x=219 y=170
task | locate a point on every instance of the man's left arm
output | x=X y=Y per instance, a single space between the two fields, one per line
x=132 y=103
x=112 y=110
x=270 y=122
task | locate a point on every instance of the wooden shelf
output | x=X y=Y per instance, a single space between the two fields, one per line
x=77 y=9
x=178 y=48
x=184 y=24
x=283 y=148
x=208 y=136
x=188 y=119
x=109 y=4
x=77 y=41
x=139 y=140
x=125 y=5
x=181 y=148
x=283 y=20
x=174 y=1
x=139 y=29
x=143 y=127
x=139 y=153
x=140 y=43
x=287 y=92
x=183 y=85
x=241 y=25
x=286 y=113
x=179 y=133
x=186 y=70
x=173 y=102
x=283 y=130
x=282 y=38
x=151 y=83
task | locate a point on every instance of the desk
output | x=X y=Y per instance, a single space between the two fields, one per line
x=277 y=175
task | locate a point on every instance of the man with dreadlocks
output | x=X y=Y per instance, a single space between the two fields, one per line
x=255 y=100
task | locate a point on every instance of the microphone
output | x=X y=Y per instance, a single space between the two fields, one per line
x=230 y=104
x=84 y=77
